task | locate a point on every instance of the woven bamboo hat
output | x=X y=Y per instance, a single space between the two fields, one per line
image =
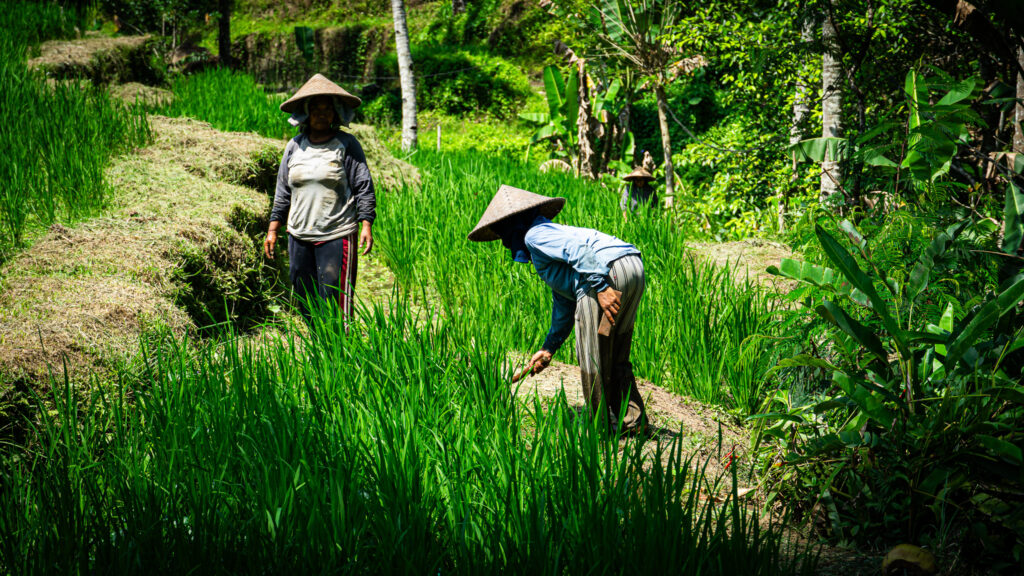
x=638 y=173
x=509 y=201
x=318 y=85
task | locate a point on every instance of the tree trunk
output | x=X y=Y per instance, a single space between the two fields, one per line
x=620 y=136
x=458 y=6
x=801 y=108
x=1018 y=109
x=831 y=108
x=409 y=128
x=585 y=130
x=666 y=143
x=224 y=34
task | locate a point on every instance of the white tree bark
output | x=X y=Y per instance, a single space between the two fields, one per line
x=1018 y=110
x=409 y=127
x=666 y=143
x=801 y=108
x=831 y=106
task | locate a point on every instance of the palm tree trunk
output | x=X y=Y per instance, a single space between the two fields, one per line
x=409 y=127
x=666 y=142
x=458 y=6
x=224 y=34
x=831 y=107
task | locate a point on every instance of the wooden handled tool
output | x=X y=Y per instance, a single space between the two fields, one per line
x=605 y=327
x=521 y=374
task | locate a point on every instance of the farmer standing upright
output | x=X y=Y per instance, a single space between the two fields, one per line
x=591 y=275
x=638 y=190
x=325 y=194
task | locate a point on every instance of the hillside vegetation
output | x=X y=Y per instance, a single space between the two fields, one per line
x=831 y=339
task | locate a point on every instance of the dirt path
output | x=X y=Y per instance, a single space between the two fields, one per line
x=673 y=417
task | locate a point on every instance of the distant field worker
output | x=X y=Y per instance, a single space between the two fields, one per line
x=324 y=194
x=638 y=190
x=591 y=274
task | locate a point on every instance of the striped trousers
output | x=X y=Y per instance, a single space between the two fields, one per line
x=324 y=269
x=609 y=385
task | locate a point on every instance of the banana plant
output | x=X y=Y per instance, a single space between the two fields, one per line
x=559 y=122
x=934 y=131
x=921 y=408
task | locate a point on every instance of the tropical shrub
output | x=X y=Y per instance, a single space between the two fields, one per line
x=917 y=417
x=461 y=81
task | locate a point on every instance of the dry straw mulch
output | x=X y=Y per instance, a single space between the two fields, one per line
x=81 y=295
x=101 y=59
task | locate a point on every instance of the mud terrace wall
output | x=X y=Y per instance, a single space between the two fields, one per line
x=344 y=54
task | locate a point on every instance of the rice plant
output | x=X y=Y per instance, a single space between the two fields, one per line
x=230 y=101
x=395 y=449
x=700 y=331
x=58 y=138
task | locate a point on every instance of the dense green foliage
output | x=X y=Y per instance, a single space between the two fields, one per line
x=922 y=409
x=888 y=403
x=397 y=448
x=58 y=138
x=457 y=82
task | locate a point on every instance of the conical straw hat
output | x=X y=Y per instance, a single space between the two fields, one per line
x=509 y=201
x=318 y=85
x=638 y=173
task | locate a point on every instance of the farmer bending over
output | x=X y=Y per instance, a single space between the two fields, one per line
x=592 y=276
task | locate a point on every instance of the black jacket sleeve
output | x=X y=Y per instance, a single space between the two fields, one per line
x=283 y=193
x=359 y=180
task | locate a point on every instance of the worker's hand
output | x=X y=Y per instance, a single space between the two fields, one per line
x=540 y=360
x=268 y=244
x=366 y=238
x=610 y=301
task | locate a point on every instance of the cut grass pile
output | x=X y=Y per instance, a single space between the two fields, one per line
x=57 y=138
x=180 y=240
x=395 y=449
x=700 y=331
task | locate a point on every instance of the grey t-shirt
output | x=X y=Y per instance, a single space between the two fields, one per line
x=323 y=190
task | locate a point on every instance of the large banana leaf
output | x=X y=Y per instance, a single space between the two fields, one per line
x=1013 y=219
x=863 y=335
x=821 y=277
x=916 y=89
x=849 y=268
x=926 y=262
x=554 y=90
x=571 y=106
x=965 y=338
x=818 y=149
x=535 y=117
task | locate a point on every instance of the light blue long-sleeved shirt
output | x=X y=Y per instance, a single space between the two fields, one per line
x=572 y=261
